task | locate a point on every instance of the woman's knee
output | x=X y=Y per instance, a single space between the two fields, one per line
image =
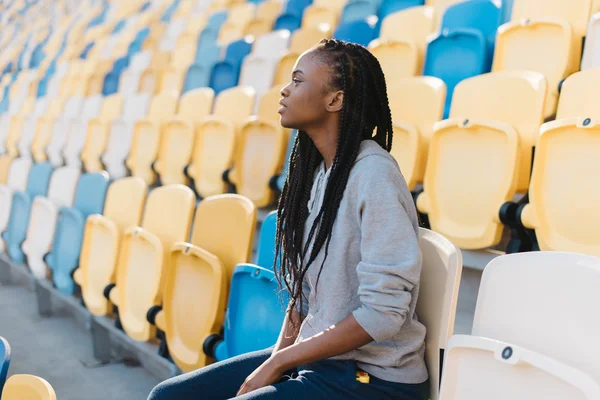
x=160 y=392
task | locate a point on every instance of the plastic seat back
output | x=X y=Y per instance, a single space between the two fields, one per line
x=532 y=278
x=282 y=178
x=206 y=263
x=577 y=13
x=17 y=182
x=455 y=56
x=99 y=252
x=265 y=257
x=208 y=54
x=271 y=45
x=196 y=105
x=438 y=297
x=78 y=133
x=358 y=10
x=235 y=104
x=4 y=361
x=144 y=254
x=483 y=368
x=482 y=15
x=258 y=73
x=577 y=95
x=550 y=40
x=290 y=22
x=224 y=75
x=398 y=60
x=197 y=77
x=37 y=185
x=305 y=38
x=68 y=236
x=416 y=104
x=171 y=82
x=525 y=114
x=315 y=15
x=27 y=387
x=388 y=7
x=591 y=51
x=360 y=31
x=565 y=155
x=176 y=146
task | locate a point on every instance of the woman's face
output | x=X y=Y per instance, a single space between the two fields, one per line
x=306 y=99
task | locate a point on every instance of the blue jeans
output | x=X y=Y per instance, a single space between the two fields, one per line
x=328 y=379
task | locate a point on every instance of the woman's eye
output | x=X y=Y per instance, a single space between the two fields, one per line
x=296 y=80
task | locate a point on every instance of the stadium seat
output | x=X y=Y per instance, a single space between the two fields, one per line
x=216 y=139
x=225 y=74
x=97 y=133
x=4 y=361
x=149 y=81
x=259 y=151
x=16 y=127
x=438 y=298
x=577 y=96
x=280 y=179
x=101 y=241
x=566 y=148
x=77 y=135
x=42 y=108
x=550 y=40
x=42 y=221
x=358 y=10
x=37 y=185
x=265 y=253
x=121 y=130
x=171 y=82
x=398 y=59
x=484 y=143
x=63 y=257
x=315 y=16
x=576 y=13
x=417 y=104
x=62 y=125
x=484 y=368
x=175 y=151
x=20 y=387
x=531 y=277
x=360 y=31
x=206 y=57
x=288 y=21
x=525 y=115
x=389 y=7
x=185 y=52
x=196 y=77
x=144 y=254
x=43 y=130
x=17 y=182
x=297 y=7
x=482 y=15
x=196 y=105
x=200 y=272
x=591 y=53
x=454 y=56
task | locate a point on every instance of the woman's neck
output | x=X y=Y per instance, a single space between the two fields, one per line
x=325 y=140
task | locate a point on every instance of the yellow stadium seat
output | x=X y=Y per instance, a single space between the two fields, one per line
x=185 y=52
x=200 y=273
x=481 y=147
x=239 y=16
x=258 y=27
x=268 y=11
x=146 y=137
x=16 y=127
x=98 y=131
x=216 y=140
x=316 y=15
x=99 y=252
x=260 y=152
x=416 y=104
x=95 y=84
x=398 y=59
x=283 y=73
x=195 y=105
x=44 y=129
x=144 y=255
x=412 y=25
x=175 y=152
x=27 y=387
x=566 y=157
x=171 y=81
x=305 y=38
x=576 y=12
x=550 y=41
x=150 y=81
x=336 y=5
x=578 y=95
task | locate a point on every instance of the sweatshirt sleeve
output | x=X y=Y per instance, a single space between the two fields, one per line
x=390 y=265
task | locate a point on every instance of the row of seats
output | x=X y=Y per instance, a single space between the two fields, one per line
x=20 y=387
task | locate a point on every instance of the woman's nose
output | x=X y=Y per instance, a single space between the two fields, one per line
x=284 y=91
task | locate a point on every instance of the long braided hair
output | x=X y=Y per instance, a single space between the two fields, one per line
x=365 y=109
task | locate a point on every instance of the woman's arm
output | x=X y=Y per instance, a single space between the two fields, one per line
x=289 y=331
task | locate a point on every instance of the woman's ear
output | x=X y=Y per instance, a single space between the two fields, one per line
x=335 y=101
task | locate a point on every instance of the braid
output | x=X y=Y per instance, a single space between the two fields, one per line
x=365 y=114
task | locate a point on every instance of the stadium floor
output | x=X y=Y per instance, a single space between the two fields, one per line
x=55 y=348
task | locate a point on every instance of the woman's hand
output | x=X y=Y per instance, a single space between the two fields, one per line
x=267 y=374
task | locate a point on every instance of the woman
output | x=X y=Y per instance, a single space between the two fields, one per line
x=350 y=258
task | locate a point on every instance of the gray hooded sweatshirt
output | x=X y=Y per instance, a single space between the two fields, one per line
x=372 y=270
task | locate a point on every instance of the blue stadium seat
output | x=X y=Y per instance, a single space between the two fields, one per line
x=111 y=84
x=225 y=74
x=281 y=178
x=68 y=237
x=4 y=361
x=42 y=88
x=255 y=312
x=296 y=7
x=266 y=242
x=507 y=6
x=119 y=26
x=120 y=64
x=16 y=230
x=391 y=6
x=86 y=50
x=99 y=19
x=145 y=6
x=481 y=15
x=37 y=57
x=168 y=14
x=289 y=21
x=207 y=55
x=360 y=32
x=216 y=21
x=358 y=10
x=197 y=77
x=454 y=56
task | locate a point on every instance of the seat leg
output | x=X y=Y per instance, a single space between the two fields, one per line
x=101 y=342
x=44 y=299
